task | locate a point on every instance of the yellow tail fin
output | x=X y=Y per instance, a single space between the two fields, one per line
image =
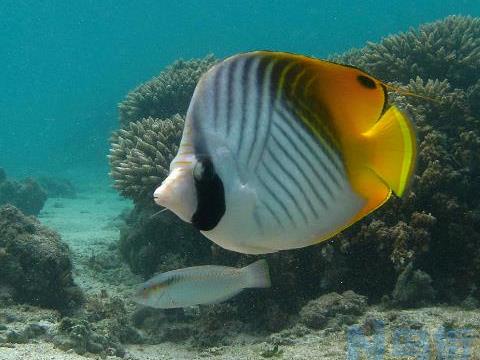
x=391 y=149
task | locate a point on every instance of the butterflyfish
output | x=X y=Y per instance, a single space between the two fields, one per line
x=197 y=285
x=282 y=151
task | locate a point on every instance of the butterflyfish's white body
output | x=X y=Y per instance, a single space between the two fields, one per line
x=281 y=151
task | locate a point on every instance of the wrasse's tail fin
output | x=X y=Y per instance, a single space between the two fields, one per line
x=257 y=275
x=391 y=147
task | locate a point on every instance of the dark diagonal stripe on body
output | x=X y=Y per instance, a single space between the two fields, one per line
x=272 y=213
x=263 y=63
x=293 y=181
x=277 y=179
x=274 y=76
x=245 y=84
x=312 y=151
x=324 y=132
x=299 y=169
x=216 y=95
x=276 y=199
x=230 y=96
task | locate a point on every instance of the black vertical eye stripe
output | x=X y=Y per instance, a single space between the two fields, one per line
x=210 y=193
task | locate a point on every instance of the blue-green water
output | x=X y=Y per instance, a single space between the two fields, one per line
x=66 y=65
x=403 y=281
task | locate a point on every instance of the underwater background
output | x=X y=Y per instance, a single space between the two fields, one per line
x=94 y=95
x=67 y=65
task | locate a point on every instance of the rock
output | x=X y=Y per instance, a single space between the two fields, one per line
x=16 y=337
x=35 y=262
x=344 y=308
x=27 y=195
x=470 y=303
x=6 y=292
x=413 y=288
x=95 y=348
x=270 y=351
x=100 y=336
x=34 y=330
x=57 y=188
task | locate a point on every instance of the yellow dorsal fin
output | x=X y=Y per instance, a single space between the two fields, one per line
x=391 y=149
x=351 y=97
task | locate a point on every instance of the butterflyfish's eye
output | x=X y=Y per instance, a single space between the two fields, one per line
x=366 y=82
x=203 y=170
x=198 y=171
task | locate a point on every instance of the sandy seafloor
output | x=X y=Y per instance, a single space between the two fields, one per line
x=90 y=222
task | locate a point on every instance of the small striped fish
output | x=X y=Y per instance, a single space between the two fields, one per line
x=201 y=285
x=282 y=151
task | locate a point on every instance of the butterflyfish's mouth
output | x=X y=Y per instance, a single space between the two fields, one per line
x=177 y=193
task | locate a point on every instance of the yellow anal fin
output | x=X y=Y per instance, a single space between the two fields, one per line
x=391 y=149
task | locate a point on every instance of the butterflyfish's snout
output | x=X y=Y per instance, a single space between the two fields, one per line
x=177 y=193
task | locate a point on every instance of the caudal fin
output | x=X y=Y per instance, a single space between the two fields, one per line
x=256 y=275
x=392 y=149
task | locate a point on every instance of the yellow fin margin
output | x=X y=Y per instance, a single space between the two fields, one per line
x=391 y=149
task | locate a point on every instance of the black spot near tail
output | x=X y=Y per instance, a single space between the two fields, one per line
x=210 y=196
x=366 y=82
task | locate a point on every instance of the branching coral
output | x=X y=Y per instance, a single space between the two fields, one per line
x=436 y=102
x=141 y=154
x=445 y=49
x=167 y=94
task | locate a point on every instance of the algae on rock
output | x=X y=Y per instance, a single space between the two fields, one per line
x=35 y=262
x=27 y=195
